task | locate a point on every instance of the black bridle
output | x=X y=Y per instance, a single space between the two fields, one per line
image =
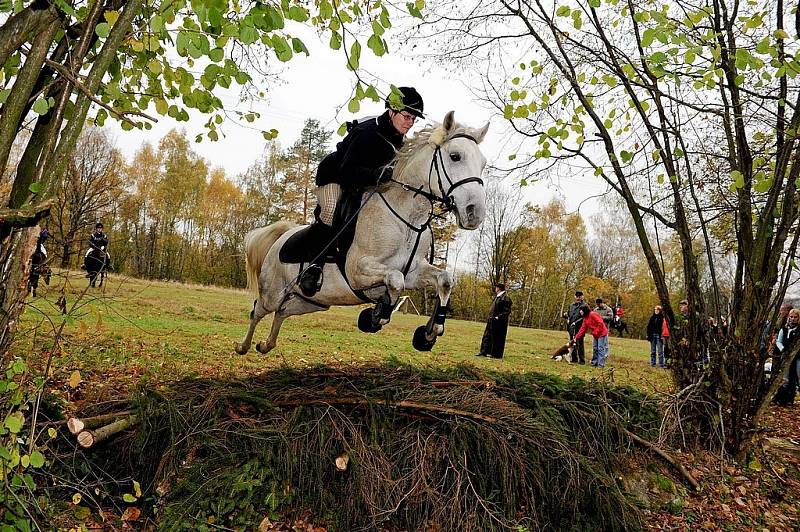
x=437 y=164
x=445 y=200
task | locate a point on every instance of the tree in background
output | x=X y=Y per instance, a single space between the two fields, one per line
x=300 y=165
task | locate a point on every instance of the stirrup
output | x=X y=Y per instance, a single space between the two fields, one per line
x=311 y=280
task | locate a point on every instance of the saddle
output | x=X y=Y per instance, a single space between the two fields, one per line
x=306 y=244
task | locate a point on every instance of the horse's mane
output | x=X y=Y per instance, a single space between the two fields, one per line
x=433 y=135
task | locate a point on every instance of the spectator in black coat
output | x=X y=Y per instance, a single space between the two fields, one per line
x=493 y=342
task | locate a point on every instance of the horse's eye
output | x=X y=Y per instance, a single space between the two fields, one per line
x=455 y=156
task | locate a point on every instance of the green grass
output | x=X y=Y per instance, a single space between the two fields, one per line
x=133 y=330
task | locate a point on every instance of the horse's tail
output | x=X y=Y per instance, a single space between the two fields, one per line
x=257 y=244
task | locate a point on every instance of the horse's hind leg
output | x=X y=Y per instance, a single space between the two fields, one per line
x=293 y=307
x=256 y=315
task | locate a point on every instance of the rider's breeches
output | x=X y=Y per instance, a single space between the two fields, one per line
x=327 y=197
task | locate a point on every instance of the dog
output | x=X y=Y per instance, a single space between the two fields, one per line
x=563 y=353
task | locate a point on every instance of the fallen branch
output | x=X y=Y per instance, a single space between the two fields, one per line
x=410 y=405
x=783 y=445
x=481 y=385
x=78 y=424
x=89 y=438
x=666 y=456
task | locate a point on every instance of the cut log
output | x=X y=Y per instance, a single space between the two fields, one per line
x=75 y=425
x=88 y=438
x=78 y=424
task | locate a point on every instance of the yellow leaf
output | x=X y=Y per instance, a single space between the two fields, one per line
x=137 y=489
x=76 y=499
x=111 y=16
x=75 y=379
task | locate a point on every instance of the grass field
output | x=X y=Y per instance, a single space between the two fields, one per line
x=132 y=331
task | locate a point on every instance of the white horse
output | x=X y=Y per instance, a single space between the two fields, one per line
x=441 y=164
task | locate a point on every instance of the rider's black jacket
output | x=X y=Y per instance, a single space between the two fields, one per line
x=360 y=156
x=98 y=240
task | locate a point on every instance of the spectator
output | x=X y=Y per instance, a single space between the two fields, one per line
x=787 y=340
x=665 y=341
x=605 y=311
x=655 y=335
x=493 y=342
x=593 y=322
x=574 y=322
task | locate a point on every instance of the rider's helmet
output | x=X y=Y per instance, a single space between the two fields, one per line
x=98 y=226
x=411 y=102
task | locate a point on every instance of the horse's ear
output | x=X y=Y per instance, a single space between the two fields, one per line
x=449 y=121
x=481 y=133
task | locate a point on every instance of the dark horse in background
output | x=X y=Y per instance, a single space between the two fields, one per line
x=619 y=325
x=96 y=263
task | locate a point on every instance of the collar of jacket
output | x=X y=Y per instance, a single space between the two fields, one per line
x=386 y=128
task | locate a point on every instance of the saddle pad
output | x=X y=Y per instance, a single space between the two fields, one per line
x=299 y=249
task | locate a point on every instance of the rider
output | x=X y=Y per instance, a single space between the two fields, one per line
x=43 y=236
x=359 y=161
x=99 y=240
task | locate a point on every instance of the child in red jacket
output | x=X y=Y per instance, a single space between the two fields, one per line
x=593 y=322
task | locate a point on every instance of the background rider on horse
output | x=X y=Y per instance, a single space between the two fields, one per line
x=359 y=161
x=98 y=242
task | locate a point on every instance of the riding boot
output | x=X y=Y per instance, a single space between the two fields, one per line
x=321 y=236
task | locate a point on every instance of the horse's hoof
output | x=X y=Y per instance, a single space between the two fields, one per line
x=420 y=340
x=365 y=323
x=238 y=348
x=263 y=348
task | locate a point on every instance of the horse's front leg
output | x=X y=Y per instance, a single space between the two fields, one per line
x=371 y=272
x=427 y=275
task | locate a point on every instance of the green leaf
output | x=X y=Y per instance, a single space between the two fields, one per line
x=563 y=11
x=336 y=41
x=763 y=186
x=354 y=105
x=780 y=34
x=375 y=44
x=14 y=422
x=738 y=179
x=35 y=188
x=299 y=46
x=154 y=66
x=37 y=459
x=216 y=55
x=355 y=56
x=127 y=497
x=102 y=30
x=4 y=95
x=297 y=14
x=111 y=16
x=594 y=3
x=40 y=106
x=282 y=48
x=626 y=156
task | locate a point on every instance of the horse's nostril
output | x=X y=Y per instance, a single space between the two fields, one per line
x=470 y=210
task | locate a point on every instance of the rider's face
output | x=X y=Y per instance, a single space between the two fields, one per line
x=402 y=121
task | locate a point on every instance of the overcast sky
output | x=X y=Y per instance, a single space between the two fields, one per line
x=319 y=86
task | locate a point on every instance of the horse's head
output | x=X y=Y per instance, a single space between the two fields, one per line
x=447 y=161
